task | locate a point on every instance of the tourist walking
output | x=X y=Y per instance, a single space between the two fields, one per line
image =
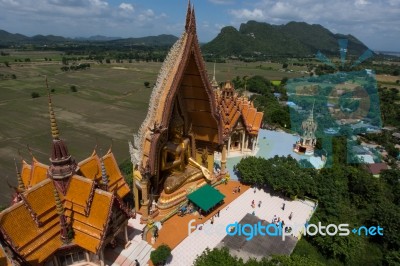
x=259 y=204
x=283 y=206
x=238 y=189
x=291 y=216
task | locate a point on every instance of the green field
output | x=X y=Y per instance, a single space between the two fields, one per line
x=109 y=106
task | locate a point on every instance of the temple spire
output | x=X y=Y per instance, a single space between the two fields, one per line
x=21 y=186
x=188 y=16
x=53 y=121
x=193 y=21
x=104 y=176
x=60 y=212
x=214 y=83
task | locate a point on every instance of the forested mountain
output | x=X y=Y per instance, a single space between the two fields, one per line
x=293 y=38
x=7 y=39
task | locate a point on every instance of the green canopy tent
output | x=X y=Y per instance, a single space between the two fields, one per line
x=206 y=197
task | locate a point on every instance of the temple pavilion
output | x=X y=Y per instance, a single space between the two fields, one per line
x=241 y=120
x=306 y=144
x=64 y=213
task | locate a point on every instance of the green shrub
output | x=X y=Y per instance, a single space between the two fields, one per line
x=35 y=95
x=73 y=88
x=160 y=255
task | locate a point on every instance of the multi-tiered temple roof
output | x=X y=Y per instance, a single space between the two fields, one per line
x=233 y=108
x=63 y=205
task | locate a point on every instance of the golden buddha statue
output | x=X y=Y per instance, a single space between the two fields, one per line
x=177 y=167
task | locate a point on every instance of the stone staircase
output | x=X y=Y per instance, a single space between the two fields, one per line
x=136 y=251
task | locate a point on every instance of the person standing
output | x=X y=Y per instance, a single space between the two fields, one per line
x=283 y=206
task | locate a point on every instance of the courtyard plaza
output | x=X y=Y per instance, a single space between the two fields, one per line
x=185 y=248
x=212 y=234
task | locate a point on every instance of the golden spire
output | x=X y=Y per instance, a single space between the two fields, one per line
x=53 y=121
x=21 y=186
x=60 y=207
x=188 y=16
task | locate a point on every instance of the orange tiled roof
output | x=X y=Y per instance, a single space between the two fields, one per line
x=38 y=172
x=89 y=209
x=91 y=168
x=232 y=107
x=26 y=173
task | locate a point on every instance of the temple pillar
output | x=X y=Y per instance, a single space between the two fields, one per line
x=145 y=199
x=246 y=142
x=229 y=145
x=102 y=257
x=126 y=234
x=223 y=160
x=136 y=195
x=254 y=144
x=243 y=135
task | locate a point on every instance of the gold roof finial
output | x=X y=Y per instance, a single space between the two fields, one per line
x=21 y=186
x=53 y=121
x=60 y=207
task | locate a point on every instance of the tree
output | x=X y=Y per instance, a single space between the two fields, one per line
x=217 y=257
x=73 y=88
x=35 y=95
x=147 y=84
x=7 y=64
x=160 y=255
x=285 y=65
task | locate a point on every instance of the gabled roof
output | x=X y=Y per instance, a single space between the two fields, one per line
x=376 y=168
x=38 y=236
x=231 y=107
x=182 y=79
x=91 y=168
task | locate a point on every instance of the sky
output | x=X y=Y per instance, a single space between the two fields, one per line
x=374 y=22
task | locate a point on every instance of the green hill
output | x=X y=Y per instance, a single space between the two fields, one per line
x=293 y=38
x=7 y=39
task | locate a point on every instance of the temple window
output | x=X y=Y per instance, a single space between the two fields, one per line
x=71 y=258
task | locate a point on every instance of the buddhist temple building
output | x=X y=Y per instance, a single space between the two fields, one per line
x=308 y=140
x=64 y=213
x=173 y=151
x=241 y=120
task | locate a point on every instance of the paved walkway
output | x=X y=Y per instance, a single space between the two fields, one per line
x=211 y=235
x=138 y=248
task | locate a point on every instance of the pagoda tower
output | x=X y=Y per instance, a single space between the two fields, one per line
x=308 y=140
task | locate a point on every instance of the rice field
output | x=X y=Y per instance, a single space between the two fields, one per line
x=108 y=108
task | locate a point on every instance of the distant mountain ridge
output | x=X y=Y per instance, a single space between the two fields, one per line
x=7 y=39
x=293 y=38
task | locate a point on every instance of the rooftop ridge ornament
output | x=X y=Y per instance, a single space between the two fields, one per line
x=21 y=186
x=53 y=122
x=193 y=21
x=188 y=16
x=104 y=176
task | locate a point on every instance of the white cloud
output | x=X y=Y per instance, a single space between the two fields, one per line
x=126 y=7
x=222 y=2
x=247 y=14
